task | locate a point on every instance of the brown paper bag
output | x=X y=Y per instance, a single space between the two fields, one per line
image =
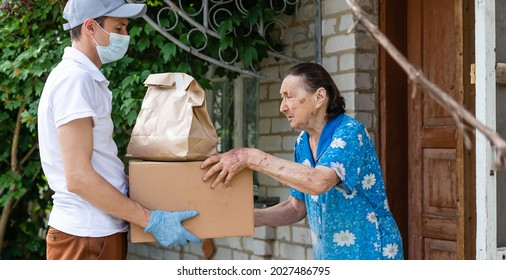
x=173 y=124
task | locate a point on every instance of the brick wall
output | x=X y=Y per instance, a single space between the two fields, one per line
x=352 y=60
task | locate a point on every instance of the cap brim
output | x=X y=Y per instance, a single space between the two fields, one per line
x=129 y=11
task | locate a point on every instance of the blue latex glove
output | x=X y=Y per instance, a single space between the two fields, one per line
x=167 y=229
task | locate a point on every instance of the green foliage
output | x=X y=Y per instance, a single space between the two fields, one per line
x=32 y=42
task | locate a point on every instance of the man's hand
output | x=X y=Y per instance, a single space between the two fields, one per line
x=167 y=229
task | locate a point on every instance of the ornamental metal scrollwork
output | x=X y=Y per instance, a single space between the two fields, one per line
x=206 y=21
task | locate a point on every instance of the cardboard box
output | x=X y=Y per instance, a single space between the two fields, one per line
x=177 y=186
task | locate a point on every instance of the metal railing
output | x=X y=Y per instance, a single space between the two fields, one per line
x=204 y=20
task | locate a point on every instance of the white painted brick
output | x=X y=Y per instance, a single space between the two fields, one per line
x=309 y=254
x=235 y=243
x=264 y=126
x=305 y=49
x=363 y=81
x=156 y=253
x=274 y=91
x=269 y=109
x=263 y=91
x=238 y=255
x=222 y=254
x=331 y=7
x=259 y=258
x=284 y=233
x=171 y=255
x=192 y=257
x=289 y=143
x=262 y=248
x=303 y=222
x=141 y=249
x=282 y=192
x=247 y=243
x=266 y=180
x=269 y=143
x=340 y=43
x=265 y=233
x=347 y=61
x=365 y=102
x=271 y=71
x=288 y=155
x=329 y=27
x=196 y=249
x=220 y=242
x=363 y=41
x=292 y=251
x=275 y=249
x=366 y=118
x=349 y=98
x=301 y=235
x=367 y=61
x=346 y=22
x=280 y=125
x=345 y=82
x=330 y=64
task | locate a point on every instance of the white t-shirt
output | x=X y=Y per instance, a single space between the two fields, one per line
x=77 y=89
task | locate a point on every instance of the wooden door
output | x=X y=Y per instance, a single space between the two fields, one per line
x=435 y=44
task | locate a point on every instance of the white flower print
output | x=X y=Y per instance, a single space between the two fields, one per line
x=345 y=238
x=391 y=250
x=358 y=171
x=350 y=196
x=360 y=140
x=371 y=217
x=377 y=246
x=339 y=168
x=338 y=143
x=369 y=181
x=314 y=198
x=307 y=162
x=385 y=205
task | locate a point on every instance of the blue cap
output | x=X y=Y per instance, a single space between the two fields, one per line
x=77 y=11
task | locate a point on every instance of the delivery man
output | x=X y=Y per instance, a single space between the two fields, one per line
x=89 y=219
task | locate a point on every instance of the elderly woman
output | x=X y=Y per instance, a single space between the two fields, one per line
x=336 y=179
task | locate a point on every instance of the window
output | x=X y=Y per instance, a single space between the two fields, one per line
x=233 y=107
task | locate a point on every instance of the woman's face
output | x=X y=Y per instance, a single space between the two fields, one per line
x=297 y=104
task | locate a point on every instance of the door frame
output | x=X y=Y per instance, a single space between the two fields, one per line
x=393 y=125
x=393 y=114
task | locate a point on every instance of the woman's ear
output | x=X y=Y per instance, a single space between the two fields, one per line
x=321 y=96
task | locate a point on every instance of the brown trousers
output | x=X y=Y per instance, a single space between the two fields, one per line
x=64 y=246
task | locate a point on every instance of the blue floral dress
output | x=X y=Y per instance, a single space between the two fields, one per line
x=352 y=220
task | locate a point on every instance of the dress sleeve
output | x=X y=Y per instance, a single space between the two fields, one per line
x=345 y=154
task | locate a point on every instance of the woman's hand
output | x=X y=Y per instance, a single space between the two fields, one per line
x=227 y=165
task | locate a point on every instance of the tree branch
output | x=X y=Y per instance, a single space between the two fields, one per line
x=460 y=114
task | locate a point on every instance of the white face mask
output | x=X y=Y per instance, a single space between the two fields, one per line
x=118 y=46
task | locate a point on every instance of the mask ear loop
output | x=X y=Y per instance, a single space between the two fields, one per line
x=102 y=30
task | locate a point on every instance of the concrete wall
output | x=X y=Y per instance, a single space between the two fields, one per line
x=501 y=120
x=352 y=60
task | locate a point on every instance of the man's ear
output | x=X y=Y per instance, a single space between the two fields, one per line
x=89 y=26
